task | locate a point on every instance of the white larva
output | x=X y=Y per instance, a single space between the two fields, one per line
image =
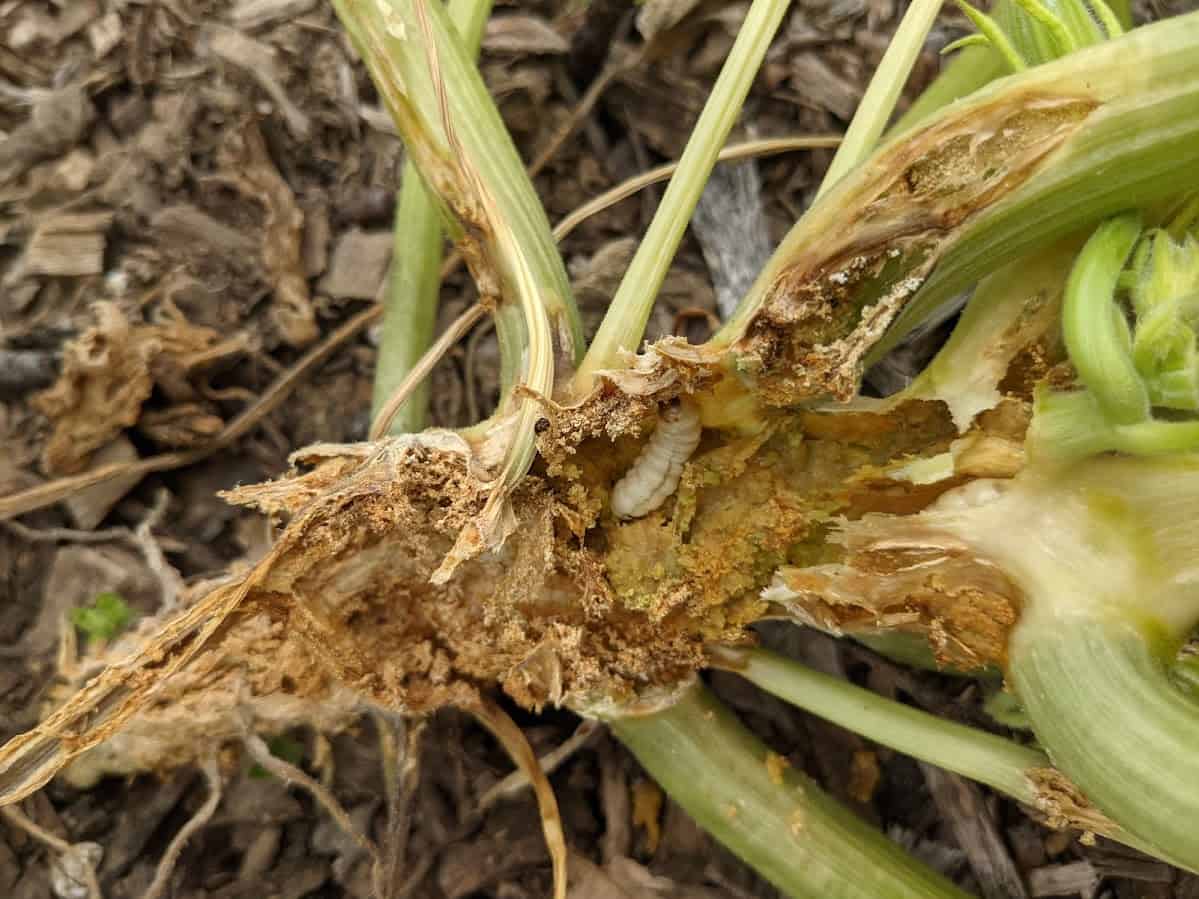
x=655 y=475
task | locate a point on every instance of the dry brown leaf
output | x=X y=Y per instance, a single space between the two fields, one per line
x=656 y=16
x=247 y=165
x=358 y=265
x=108 y=373
x=188 y=226
x=58 y=122
x=104 y=381
x=249 y=14
x=89 y=505
x=183 y=426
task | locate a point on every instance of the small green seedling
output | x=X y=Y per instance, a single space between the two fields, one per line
x=106 y=617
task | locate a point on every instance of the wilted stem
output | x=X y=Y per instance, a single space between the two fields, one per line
x=414 y=280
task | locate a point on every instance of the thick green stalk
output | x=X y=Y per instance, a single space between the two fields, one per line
x=624 y=324
x=414 y=278
x=978 y=755
x=1101 y=701
x=1103 y=553
x=883 y=92
x=774 y=818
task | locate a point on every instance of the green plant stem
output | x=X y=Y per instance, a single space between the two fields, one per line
x=1093 y=326
x=774 y=818
x=883 y=92
x=453 y=132
x=411 y=300
x=1103 y=554
x=414 y=277
x=1071 y=425
x=1101 y=701
x=978 y=755
x=996 y=36
x=624 y=324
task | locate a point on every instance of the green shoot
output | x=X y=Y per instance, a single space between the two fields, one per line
x=410 y=316
x=1063 y=41
x=1107 y=18
x=1093 y=326
x=1017 y=771
x=994 y=34
x=1128 y=373
x=984 y=757
x=624 y=324
x=106 y=617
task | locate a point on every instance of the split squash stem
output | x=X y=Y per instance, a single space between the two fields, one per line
x=414 y=278
x=774 y=818
x=1134 y=105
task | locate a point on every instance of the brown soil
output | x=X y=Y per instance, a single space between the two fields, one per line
x=194 y=194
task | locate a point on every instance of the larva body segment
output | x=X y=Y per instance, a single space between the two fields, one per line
x=655 y=474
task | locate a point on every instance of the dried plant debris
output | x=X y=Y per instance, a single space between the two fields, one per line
x=108 y=374
x=247 y=165
x=58 y=119
x=64 y=244
x=104 y=381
